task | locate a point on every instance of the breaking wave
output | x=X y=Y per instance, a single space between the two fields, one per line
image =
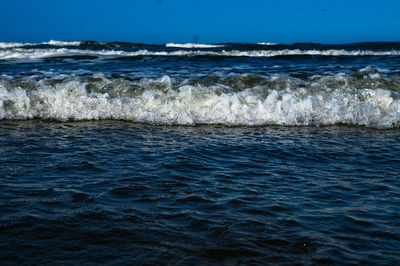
x=267 y=43
x=63 y=43
x=24 y=53
x=18 y=51
x=240 y=100
x=193 y=45
x=4 y=45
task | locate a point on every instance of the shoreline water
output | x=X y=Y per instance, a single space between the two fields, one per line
x=111 y=191
x=199 y=159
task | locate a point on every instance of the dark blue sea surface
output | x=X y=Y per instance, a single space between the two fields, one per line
x=119 y=153
x=117 y=192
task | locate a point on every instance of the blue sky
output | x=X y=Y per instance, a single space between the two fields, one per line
x=205 y=21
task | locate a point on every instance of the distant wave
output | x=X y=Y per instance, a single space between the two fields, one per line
x=63 y=43
x=52 y=48
x=37 y=53
x=4 y=45
x=233 y=46
x=51 y=42
x=329 y=52
x=193 y=45
x=267 y=43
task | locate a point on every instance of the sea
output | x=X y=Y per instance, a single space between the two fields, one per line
x=199 y=154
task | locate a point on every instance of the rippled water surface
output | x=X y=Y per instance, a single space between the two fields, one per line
x=124 y=153
x=119 y=192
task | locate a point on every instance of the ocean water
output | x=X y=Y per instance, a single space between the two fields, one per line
x=199 y=153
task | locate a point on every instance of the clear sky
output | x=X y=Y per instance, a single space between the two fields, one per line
x=205 y=21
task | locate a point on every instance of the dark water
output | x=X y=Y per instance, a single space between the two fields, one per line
x=117 y=192
x=119 y=153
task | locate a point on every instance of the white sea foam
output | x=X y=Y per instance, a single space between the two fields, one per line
x=20 y=53
x=63 y=43
x=10 y=44
x=26 y=53
x=51 y=42
x=193 y=45
x=329 y=52
x=159 y=102
x=267 y=43
x=13 y=50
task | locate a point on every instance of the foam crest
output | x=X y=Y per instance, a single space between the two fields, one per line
x=35 y=53
x=193 y=45
x=4 y=45
x=270 y=101
x=63 y=43
x=267 y=43
x=20 y=53
x=329 y=52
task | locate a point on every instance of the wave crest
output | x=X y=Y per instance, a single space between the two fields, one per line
x=265 y=101
x=17 y=52
x=193 y=45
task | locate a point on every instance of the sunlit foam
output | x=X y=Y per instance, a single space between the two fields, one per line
x=161 y=101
